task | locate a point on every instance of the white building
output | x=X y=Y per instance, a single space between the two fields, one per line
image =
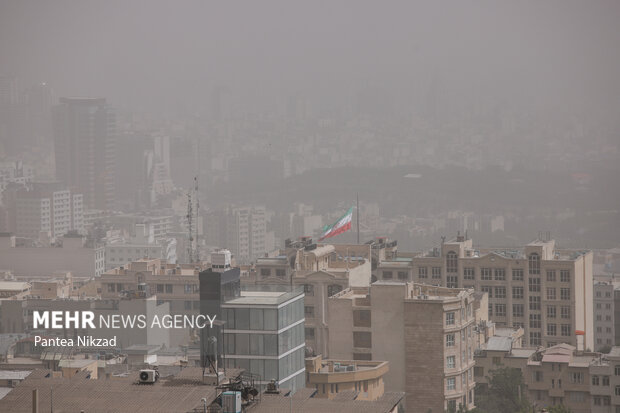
x=44 y=208
x=141 y=246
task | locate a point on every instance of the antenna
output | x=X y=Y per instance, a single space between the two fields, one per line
x=190 y=214
x=196 y=250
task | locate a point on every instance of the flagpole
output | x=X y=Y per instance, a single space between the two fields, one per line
x=357 y=197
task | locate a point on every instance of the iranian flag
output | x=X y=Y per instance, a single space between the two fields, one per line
x=342 y=225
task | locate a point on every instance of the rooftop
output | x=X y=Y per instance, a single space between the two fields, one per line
x=304 y=402
x=499 y=344
x=117 y=394
x=269 y=295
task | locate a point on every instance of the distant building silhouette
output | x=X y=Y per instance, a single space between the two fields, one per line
x=84 y=142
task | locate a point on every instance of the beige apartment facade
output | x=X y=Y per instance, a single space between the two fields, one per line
x=323 y=270
x=545 y=290
x=426 y=333
x=330 y=377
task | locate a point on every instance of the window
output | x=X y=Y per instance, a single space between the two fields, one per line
x=490 y=310
x=488 y=290
x=387 y=275
x=333 y=289
x=160 y=288
x=500 y=274
x=534 y=284
x=452 y=262
x=538 y=376
x=309 y=333
x=362 y=339
x=576 y=377
x=469 y=273
x=517 y=274
x=595 y=380
x=308 y=289
x=534 y=303
x=605 y=380
x=551 y=313
x=265 y=272
x=110 y=288
x=617 y=370
x=565 y=276
x=436 y=274
x=451 y=383
x=517 y=310
x=550 y=293
x=550 y=275
x=450 y=362
x=535 y=339
x=168 y=288
x=423 y=272
x=500 y=292
x=309 y=311
x=449 y=340
x=402 y=275
x=565 y=293
x=452 y=281
x=552 y=330
x=534 y=263
x=566 y=330
x=280 y=273
x=535 y=320
x=517 y=293
x=500 y=310
x=188 y=289
x=565 y=312
x=450 y=318
x=597 y=400
x=485 y=274
x=361 y=318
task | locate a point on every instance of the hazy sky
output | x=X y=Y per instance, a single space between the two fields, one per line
x=162 y=54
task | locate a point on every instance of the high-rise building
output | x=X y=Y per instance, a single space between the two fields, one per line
x=427 y=334
x=47 y=208
x=545 y=290
x=604 y=334
x=84 y=144
x=241 y=230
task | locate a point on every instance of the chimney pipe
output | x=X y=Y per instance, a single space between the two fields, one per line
x=35 y=401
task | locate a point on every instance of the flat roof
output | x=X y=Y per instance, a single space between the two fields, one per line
x=13 y=285
x=261 y=298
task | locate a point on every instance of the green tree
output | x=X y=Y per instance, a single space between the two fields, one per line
x=505 y=393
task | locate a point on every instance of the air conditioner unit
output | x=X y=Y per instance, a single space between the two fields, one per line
x=148 y=376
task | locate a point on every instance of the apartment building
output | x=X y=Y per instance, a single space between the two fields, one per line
x=85 y=145
x=48 y=208
x=426 y=333
x=560 y=375
x=81 y=258
x=241 y=230
x=330 y=377
x=173 y=283
x=499 y=352
x=605 y=383
x=322 y=270
x=557 y=375
x=545 y=290
x=604 y=331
